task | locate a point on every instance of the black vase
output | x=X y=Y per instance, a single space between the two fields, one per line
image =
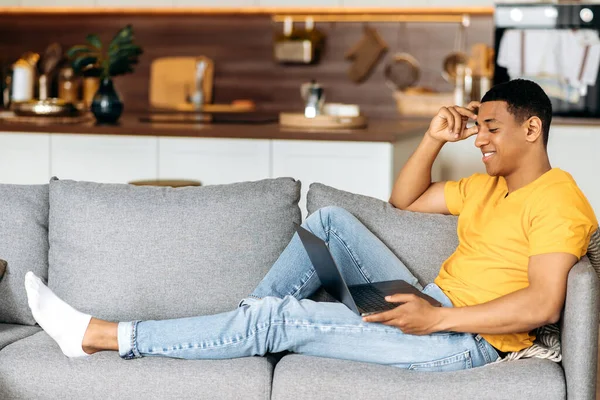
x=107 y=105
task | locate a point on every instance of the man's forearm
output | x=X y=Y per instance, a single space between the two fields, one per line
x=520 y=311
x=415 y=176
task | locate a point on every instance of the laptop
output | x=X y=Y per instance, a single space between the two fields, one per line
x=364 y=299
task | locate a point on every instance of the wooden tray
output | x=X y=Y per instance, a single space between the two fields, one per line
x=298 y=120
x=10 y=117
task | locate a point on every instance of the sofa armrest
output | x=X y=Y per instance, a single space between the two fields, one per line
x=579 y=331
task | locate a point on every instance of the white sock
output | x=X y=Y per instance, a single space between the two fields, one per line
x=62 y=322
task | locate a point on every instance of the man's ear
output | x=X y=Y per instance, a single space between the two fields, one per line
x=533 y=125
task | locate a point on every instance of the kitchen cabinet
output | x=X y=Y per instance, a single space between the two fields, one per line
x=134 y=3
x=24 y=158
x=417 y=3
x=58 y=3
x=101 y=158
x=359 y=167
x=301 y=3
x=214 y=161
x=220 y=4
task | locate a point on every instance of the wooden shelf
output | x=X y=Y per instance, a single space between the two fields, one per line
x=268 y=11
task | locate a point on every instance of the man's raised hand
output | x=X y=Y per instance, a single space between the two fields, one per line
x=450 y=123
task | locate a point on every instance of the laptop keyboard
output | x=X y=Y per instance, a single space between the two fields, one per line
x=370 y=299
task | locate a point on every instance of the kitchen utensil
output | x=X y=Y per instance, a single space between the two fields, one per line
x=458 y=56
x=314 y=96
x=68 y=85
x=197 y=98
x=365 y=54
x=22 y=80
x=173 y=81
x=298 y=120
x=52 y=107
x=91 y=84
x=402 y=71
x=300 y=46
x=52 y=56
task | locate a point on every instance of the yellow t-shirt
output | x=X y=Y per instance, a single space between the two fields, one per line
x=498 y=234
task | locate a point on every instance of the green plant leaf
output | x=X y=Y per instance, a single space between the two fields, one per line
x=78 y=50
x=124 y=36
x=83 y=61
x=94 y=40
x=126 y=49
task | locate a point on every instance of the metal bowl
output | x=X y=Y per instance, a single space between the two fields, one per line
x=45 y=108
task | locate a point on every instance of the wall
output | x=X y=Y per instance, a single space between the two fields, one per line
x=242 y=48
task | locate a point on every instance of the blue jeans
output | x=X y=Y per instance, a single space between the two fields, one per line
x=278 y=317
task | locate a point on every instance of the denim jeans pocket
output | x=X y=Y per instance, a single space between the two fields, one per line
x=455 y=362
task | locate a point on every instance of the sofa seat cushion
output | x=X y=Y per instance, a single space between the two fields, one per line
x=304 y=377
x=10 y=333
x=35 y=368
x=123 y=252
x=24 y=246
x=422 y=241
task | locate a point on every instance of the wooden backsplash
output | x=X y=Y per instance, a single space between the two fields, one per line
x=241 y=47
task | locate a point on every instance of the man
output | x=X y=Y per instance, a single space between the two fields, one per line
x=522 y=226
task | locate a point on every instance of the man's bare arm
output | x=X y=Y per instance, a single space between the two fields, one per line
x=521 y=311
x=413 y=189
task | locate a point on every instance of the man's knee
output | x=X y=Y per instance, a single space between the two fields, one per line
x=331 y=213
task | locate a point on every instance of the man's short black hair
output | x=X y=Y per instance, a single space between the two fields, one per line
x=525 y=99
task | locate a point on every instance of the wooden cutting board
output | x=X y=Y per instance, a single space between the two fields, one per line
x=173 y=81
x=298 y=120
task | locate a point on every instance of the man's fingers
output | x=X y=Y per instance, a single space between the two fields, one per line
x=400 y=297
x=457 y=125
x=444 y=113
x=471 y=131
x=474 y=105
x=466 y=112
x=380 y=317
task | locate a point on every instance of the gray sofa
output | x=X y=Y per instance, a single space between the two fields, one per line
x=121 y=252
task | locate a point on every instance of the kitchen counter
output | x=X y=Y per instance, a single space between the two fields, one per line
x=377 y=131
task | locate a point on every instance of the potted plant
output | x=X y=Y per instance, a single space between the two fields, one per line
x=94 y=59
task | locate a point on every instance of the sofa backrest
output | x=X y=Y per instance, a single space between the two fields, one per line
x=122 y=252
x=421 y=241
x=24 y=246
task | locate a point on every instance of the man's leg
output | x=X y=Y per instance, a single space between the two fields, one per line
x=267 y=325
x=361 y=256
x=272 y=325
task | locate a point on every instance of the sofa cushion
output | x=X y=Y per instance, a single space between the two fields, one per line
x=304 y=377
x=123 y=252
x=421 y=241
x=35 y=368
x=10 y=333
x=24 y=246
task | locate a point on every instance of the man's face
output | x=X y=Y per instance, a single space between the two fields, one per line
x=500 y=138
